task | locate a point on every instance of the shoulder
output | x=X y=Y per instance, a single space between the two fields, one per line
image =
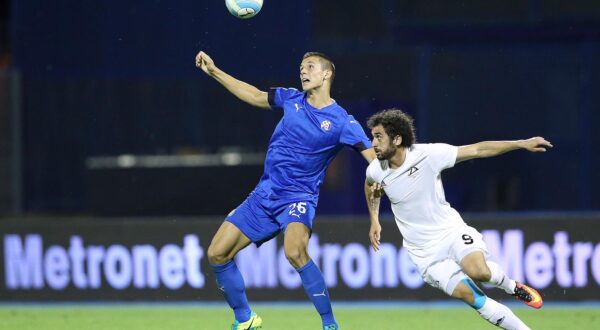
x=421 y=152
x=440 y=155
x=423 y=147
x=279 y=96
x=286 y=93
x=291 y=91
x=339 y=109
x=432 y=148
x=419 y=149
x=348 y=121
x=340 y=116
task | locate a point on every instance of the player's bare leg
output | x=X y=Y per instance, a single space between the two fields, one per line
x=296 y=251
x=475 y=266
x=226 y=243
x=481 y=270
x=492 y=311
x=295 y=244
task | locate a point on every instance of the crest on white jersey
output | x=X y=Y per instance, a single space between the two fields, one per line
x=412 y=170
x=325 y=125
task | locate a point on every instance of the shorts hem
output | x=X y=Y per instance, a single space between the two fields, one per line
x=466 y=252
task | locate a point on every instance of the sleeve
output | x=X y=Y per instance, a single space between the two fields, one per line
x=278 y=95
x=354 y=136
x=442 y=155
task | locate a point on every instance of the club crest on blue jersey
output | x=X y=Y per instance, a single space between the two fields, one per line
x=325 y=125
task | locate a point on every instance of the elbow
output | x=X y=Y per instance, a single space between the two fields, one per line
x=260 y=99
x=255 y=102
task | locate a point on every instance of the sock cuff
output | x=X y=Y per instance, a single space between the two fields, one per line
x=223 y=267
x=309 y=264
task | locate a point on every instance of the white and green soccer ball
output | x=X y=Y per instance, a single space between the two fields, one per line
x=244 y=8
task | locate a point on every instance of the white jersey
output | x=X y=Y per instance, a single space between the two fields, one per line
x=417 y=196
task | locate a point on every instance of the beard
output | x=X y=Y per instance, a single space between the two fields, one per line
x=388 y=153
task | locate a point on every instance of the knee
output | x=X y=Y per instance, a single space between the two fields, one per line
x=297 y=256
x=479 y=273
x=216 y=256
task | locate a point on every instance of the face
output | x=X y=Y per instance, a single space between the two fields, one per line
x=312 y=74
x=384 y=146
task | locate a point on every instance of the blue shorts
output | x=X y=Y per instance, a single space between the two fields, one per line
x=261 y=218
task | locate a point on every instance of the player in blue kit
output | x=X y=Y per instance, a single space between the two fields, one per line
x=314 y=128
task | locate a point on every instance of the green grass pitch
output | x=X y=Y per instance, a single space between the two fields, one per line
x=199 y=317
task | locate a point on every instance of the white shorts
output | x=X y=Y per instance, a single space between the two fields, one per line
x=440 y=266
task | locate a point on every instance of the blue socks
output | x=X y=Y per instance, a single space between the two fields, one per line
x=231 y=283
x=315 y=288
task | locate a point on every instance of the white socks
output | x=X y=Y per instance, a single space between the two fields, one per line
x=493 y=311
x=499 y=278
x=501 y=316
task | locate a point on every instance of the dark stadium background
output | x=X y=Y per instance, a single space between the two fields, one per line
x=102 y=109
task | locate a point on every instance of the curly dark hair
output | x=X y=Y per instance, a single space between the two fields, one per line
x=395 y=122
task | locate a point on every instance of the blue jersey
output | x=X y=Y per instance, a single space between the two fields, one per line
x=303 y=144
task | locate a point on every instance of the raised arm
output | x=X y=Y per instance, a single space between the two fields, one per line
x=373 y=194
x=494 y=148
x=240 y=89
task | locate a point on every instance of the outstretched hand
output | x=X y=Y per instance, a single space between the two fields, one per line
x=536 y=144
x=205 y=63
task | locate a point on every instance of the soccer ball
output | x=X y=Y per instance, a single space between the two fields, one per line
x=244 y=8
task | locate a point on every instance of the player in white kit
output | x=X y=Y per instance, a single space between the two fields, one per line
x=449 y=254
